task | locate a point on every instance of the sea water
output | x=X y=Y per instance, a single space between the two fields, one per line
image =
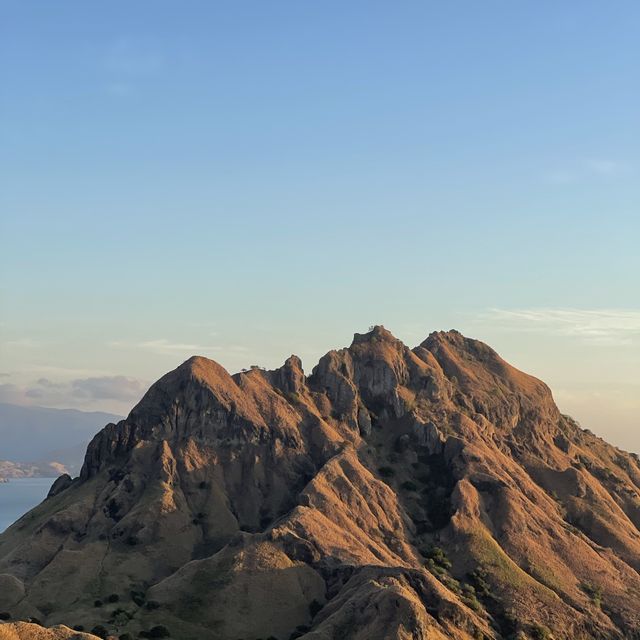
x=20 y=495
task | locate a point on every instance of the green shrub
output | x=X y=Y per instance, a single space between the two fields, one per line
x=451 y=583
x=386 y=472
x=100 y=631
x=438 y=555
x=473 y=604
x=538 y=632
x=114 y=597
x=479 y=581
x=97 y=603
x=120 y=616
x=5 y=615
x=409 y=486
x=470 y=599
x=314 y=608
x=138 y=597
x=593 y=591
x=436 y=569
x=159 y=631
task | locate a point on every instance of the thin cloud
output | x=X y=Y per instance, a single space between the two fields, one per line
x=119 y=89
x=604 y=167
x=162 y=346
x=22 y=343
x=80 y=391
x=133 y=57
x=609 y=327
x=128 y=63
x=108 y=388
x=11 y=393
x=49 y=384
x=45 y=371
x=588 y=169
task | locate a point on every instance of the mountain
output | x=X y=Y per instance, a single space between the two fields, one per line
x=31 y=433
x=37 y=441
x=425 y=493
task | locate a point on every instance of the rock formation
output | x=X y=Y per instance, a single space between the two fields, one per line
x=434 y=492
x=30 y=631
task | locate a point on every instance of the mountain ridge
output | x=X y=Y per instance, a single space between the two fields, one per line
x=43 y=441
x=433 y=492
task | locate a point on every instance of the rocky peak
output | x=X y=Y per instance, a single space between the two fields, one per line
x=489 y=385
x=377 y=333
x=290 y=377
x=179 y=405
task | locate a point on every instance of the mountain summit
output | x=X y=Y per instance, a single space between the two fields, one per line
x=425 y=493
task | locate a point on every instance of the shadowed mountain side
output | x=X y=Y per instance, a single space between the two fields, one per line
x=434 y=492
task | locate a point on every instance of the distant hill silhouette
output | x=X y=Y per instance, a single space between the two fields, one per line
x=33 y=437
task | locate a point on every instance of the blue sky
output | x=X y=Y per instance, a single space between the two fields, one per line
x=251 y=179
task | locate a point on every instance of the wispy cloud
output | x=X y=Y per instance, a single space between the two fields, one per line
x=128 y=56
x=83 y=392
x=109 y=388
x=588 y=169
x=45 y=371
x=22 y=343
x=597 y=326
x=604 y=166
x=163 y=346
x=129 y=62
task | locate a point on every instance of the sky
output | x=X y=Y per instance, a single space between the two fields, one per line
x=246 y=180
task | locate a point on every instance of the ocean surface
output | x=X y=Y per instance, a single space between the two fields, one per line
x=18 y=496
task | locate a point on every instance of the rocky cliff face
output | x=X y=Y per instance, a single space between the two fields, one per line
x=434 y=492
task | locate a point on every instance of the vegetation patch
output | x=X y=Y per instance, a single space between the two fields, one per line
x=540 y=632
x=100 y=631
x=159 y=631
x=594 y=592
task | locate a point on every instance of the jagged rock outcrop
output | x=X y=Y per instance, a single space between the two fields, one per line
x=434 y=492
x=61 y=483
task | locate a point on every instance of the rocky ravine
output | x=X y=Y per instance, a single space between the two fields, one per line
x=434 y=492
